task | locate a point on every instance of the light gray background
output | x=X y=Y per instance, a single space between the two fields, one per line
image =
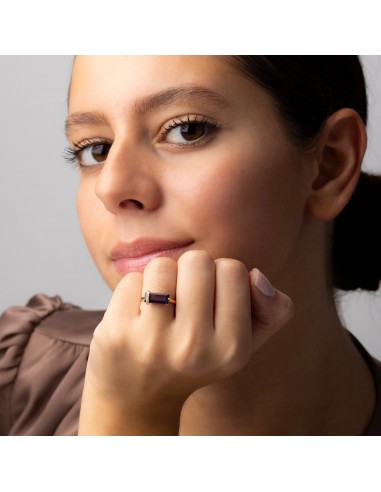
x=41 y=247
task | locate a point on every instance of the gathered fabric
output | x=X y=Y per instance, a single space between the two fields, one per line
x=44 y=348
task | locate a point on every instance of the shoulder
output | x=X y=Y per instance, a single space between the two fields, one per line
x=71 y=324
x=50 y=316
x=374 y=426
x=43 y=352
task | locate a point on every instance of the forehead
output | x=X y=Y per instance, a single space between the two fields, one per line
x=120 y=80
x=128 y=77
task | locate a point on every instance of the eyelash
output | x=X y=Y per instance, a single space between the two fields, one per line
x=211 y=125
x=72 y=155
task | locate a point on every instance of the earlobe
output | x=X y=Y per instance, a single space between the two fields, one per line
x=339 y=153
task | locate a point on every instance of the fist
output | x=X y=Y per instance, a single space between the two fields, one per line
x=148 y=356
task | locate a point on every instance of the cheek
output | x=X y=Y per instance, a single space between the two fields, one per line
x=89 y=215
x=95 y=231
x=254 y=210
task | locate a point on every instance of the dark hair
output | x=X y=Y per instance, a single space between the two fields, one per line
x=307 y=90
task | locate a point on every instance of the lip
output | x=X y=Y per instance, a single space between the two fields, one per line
x=135 y=255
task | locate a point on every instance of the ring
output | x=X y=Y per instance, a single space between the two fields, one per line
x=157 y=298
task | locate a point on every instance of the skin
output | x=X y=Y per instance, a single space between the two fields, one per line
x=229 y=360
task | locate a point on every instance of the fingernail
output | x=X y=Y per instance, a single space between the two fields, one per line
x=263 y=285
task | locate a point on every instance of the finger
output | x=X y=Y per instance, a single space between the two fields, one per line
x=233 y=311
x=125 y=301
x=195 y=289
x=271 y=309
x=160 y=276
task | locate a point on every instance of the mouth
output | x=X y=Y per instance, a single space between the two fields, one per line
x=135 y=256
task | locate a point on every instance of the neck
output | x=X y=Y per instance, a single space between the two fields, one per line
x=309 y=379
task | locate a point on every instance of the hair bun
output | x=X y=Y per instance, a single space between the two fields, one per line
x=357 y=238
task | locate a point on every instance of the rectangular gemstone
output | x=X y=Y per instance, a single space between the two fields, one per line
x=157 y=298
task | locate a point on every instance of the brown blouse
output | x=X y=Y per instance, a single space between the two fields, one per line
x=44 y=348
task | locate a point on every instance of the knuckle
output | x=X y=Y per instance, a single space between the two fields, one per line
x=182 y=361
x=231 y=267
x=127 y=281
x=233 y=365
x=187 y=360
x=160 y=265
x=194 y=257
x=190 y=355
x=236 y=355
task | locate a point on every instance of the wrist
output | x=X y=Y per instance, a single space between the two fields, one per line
x=112 y=417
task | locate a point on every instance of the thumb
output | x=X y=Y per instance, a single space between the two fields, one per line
x=271 y=308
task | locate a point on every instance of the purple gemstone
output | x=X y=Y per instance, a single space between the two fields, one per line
x=156 y=298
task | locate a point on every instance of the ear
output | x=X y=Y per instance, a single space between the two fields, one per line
x=339 y=153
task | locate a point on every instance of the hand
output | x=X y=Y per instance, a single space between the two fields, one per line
x=145 y=360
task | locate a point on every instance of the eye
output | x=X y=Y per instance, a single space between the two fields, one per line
x=94 y=154
x=188 y=131
x=88 y=153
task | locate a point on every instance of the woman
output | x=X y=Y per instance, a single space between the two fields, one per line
x=201 y=177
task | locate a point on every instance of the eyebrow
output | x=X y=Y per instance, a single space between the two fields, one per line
x=86 y=119
x=174 y=95
x=179 y=95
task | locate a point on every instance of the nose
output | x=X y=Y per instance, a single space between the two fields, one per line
x=129 y=180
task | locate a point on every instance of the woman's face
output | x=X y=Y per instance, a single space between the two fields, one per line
x=182 y=152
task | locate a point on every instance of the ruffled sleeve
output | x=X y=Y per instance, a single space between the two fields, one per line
x=16 y=326
x=43 y=355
